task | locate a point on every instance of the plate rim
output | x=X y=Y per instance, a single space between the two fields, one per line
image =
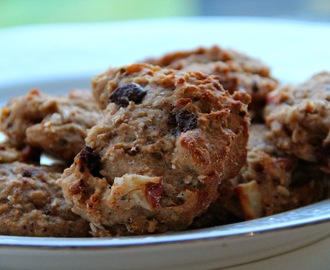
x=206 y=234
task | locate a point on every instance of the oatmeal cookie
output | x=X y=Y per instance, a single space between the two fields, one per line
x=32 y=203
x=236 y=71
x=56 y=125
x=299 y=119
x=153 y=163
x=272 y=182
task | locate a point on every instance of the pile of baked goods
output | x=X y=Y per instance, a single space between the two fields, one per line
x=188 y=140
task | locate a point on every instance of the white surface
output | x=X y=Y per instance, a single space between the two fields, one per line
x=56 y=58
x=311 y=257
x=294 y=49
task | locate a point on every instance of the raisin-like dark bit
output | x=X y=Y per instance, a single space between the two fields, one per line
x=92 y=160
x=27 y=173
x=242 y=113
x=30 y=172
x=182 y=121
x=28 y=153
x=255 y=87
x=126 y=93
x=46 y=212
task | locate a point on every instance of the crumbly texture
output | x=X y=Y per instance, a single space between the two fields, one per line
x=153 y=163
x=299 y=119
x=235 y=71
x=32 y=203
x=56 y=125
x=272 y=182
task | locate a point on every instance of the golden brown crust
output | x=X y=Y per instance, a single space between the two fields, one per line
x=235 y=71
x=153 y=164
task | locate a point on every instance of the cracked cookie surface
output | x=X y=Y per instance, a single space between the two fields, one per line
x=235 y=71
x=166 y=141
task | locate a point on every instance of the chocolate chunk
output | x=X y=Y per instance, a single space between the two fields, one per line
x=27 y=173
x=92 y=160
x=242 y=113
x=126 y=93
x=182 y=121
x=30 y=172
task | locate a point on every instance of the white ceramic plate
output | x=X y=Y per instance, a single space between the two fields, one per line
x=56 y=58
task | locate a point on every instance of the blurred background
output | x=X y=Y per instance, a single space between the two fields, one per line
x=22 y=12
